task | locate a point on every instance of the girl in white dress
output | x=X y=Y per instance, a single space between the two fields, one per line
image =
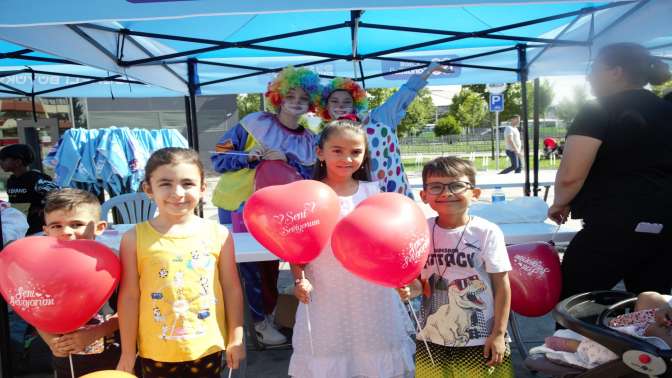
x=358 y=328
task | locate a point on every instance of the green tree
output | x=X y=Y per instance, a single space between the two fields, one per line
x=567 y=109
x=248 y=103
x=447 y=125
x=660 y=89
x=513 y=101
x=545 y=98
x=418 y=114
x=79 y=109
x=468 y=108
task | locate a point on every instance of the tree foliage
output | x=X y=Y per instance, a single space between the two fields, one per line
x=419 y=113
x=663 y=88
x=513 y=98
x=248 y=103
x=447 y=125
x=468 y=108
x=568 y=108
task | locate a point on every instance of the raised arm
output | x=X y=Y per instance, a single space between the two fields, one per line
x=392 y=111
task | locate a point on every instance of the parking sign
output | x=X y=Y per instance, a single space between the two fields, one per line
x=496 y=102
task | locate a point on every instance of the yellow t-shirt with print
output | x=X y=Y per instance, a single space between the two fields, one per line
x=182 y=315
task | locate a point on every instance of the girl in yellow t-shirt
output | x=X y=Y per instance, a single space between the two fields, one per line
x=180 y=302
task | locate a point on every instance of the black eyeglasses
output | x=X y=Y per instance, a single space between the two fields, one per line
x=455 y=187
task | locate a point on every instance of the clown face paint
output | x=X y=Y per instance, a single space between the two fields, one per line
x=295 y=102
x=339 y=104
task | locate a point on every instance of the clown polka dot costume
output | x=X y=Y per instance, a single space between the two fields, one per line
x=381 y=129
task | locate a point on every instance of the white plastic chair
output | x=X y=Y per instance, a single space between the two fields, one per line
x=131 y=208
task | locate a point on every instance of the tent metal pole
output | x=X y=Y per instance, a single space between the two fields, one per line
x=638 y=5
x=354 y=31
x=548 y=46
x=484 y=35
x=361 y=74
x=187 y=117
x=5 y=357
x=522 y=64
x=222 y=45
x=535 y=138
x=192 y=132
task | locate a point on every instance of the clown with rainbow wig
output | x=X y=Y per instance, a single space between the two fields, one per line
x=263 y=136
x=343 y=96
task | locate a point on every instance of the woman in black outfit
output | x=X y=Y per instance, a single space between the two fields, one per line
x=616 y=175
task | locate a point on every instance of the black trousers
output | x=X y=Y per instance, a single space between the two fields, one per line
x=601 y=256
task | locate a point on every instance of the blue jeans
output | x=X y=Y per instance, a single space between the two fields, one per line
x=515 y=163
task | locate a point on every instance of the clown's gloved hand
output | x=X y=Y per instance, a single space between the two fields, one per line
x=256 y=153
x=274 y=155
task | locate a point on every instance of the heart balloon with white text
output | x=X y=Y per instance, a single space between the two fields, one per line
x=294 y=221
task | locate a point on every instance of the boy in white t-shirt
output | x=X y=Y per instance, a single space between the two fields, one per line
x=465 y=284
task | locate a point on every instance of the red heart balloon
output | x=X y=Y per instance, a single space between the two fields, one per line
x=384 y=240
x=274 y=172
x=57 y=286
x=293 y=221
x=536 y=279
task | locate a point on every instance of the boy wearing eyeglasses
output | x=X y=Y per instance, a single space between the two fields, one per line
x=465 y=286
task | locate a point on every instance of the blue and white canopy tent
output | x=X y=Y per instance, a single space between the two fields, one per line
x=216 y=47
x=213 y=47
x=24 y=72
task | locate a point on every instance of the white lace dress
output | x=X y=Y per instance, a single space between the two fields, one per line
x=358 y=328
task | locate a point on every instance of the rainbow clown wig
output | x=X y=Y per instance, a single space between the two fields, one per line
x=290 y=78
x=359 y=101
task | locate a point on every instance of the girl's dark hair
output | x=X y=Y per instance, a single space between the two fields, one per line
x=639 y=67
x=364 y=171
x=173 y=155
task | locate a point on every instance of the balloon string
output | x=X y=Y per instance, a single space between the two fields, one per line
x=72 y=367
x=310 y=328
x=417 y=322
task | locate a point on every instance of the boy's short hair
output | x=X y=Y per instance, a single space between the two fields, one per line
x=449 y=166
x=69 y=199
x=21 y=152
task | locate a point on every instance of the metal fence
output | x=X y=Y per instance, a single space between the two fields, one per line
x=480 y=142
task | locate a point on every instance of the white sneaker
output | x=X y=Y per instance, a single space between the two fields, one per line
x=267 y=334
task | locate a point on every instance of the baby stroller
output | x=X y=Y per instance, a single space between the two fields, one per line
x=553 y=148
x=588 y=314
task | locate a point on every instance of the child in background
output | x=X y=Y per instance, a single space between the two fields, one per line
x=465 y=285
x=342 y=96
x=26 y=188
x=74 y=214
x=259 y=136
x=180 y=301
x=357 y=326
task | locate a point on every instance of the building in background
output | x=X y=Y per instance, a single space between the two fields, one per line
x=216 y=114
